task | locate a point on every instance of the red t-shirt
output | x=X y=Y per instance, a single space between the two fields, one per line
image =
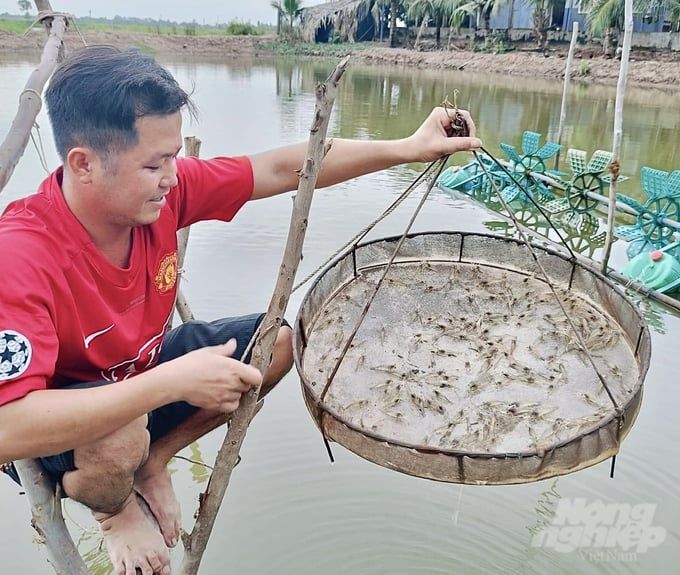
x=69 y=314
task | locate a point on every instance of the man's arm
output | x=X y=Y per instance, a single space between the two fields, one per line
x=51 y=421
x=275 y=171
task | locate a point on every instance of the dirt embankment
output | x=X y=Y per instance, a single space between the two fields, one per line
x=661 y=70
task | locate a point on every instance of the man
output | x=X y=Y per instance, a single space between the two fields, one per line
x=91 y=379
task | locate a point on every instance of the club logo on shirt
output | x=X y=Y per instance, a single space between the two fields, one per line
x=166 y=276
x=15 y=354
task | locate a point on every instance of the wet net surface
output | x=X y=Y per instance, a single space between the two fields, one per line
x=473 y=357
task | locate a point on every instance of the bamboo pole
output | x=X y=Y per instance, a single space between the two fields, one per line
x=192 y=147
x=618 y=131
x=30 y=102
x=195 y=543
x=565 y=91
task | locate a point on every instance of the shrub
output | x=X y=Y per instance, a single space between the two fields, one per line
x=241 y=29
x=584 y=68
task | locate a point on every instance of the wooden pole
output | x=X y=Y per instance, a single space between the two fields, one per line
x=30 y=102
x=48 y=521
x=618 y=131
x=565 y=91
x=192 y=147
x=195 y=543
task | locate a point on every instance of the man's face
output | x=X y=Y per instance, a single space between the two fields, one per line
x=133 y=184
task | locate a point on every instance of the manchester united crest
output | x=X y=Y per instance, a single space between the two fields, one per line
x=166 y=276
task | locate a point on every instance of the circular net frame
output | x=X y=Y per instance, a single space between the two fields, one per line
x=465 y=369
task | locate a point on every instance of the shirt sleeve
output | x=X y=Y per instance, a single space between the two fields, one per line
x=28 y=340
x=214 y=189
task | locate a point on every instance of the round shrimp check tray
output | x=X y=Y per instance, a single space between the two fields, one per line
x=465 y=368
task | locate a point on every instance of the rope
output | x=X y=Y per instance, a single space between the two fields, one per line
x=364 y=312
x=525 y=239
x=357 y=238
x=32 y=91
x=39 y=148
x=80 y=34
x=45 y=14
x=528 y=195
x=340 y=250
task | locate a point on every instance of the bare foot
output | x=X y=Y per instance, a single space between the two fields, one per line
x=155 y=486
x=133 y=543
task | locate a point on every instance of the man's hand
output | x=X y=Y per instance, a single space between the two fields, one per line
x=432 y=141
x=210 y=378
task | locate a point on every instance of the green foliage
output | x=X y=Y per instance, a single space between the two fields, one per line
x=285 y=47
x=287 y=9
x=14 y=26
x=18 y=25
x=584 y=68
x=499 y=43
x=242 y=29
x=604 y=15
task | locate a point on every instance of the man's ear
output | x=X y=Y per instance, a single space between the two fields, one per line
x=81 y=162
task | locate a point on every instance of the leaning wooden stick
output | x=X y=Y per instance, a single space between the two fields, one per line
x=210 y=501
x=618 y=131
x=192 y=147
x=30 y=102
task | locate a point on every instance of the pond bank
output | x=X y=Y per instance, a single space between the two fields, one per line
x=648 y=69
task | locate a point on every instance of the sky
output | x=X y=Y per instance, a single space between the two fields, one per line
x=203 y=11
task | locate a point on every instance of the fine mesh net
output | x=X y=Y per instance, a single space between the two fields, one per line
x=465 y=368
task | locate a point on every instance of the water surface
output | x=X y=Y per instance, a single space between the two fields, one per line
x=288 y=510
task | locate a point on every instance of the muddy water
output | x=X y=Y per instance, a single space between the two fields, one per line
x=288 y=510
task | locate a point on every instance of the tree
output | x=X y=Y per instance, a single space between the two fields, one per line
x=542 y=13
x=396 y=10
x=606 y=17
x=25 y=6
x=480 y=10
x=287 y=9
x=420 y=10
x=439 y=11
x=380 y=12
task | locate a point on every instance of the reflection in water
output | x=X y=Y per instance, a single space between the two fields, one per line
x=386 y=102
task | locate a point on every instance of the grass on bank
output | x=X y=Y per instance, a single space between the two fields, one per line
x=235 y=28
x=298 y=48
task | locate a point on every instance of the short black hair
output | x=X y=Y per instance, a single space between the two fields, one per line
x=96 y=95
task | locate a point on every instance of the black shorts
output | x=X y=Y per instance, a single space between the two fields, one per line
x=179 y=341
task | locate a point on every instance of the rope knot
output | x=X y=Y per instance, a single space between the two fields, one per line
x=614 y=169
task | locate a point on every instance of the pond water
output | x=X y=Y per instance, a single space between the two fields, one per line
x=288 y=510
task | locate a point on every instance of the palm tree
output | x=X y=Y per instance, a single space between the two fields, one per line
x=379 y=10
x=420 y=10
x=425 y=10
x=606 y=17
x=287 y=9
x=480 y=10
x=542 y=13
x=396 y=9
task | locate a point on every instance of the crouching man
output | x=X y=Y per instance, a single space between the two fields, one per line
x=93 y=381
